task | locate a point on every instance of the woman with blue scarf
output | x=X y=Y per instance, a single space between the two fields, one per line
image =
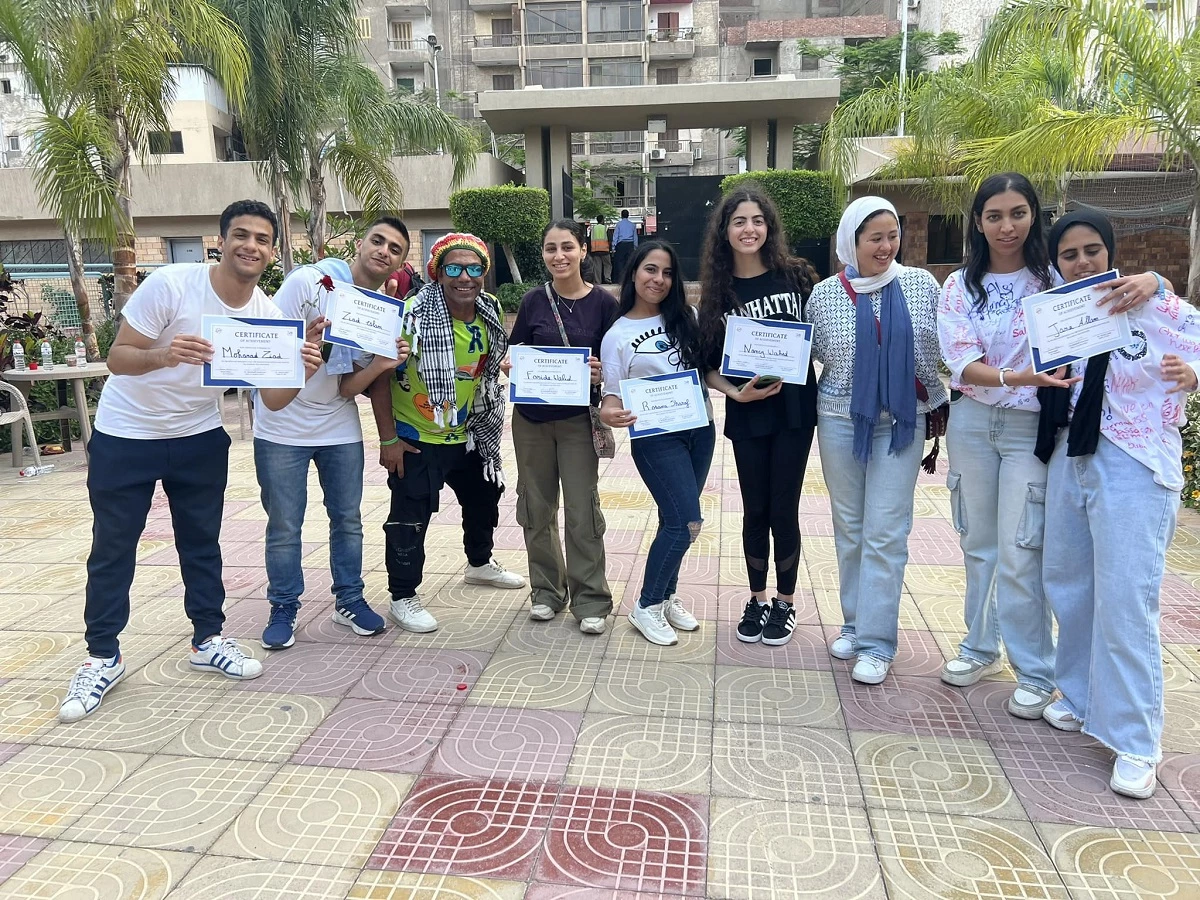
x=875 y=333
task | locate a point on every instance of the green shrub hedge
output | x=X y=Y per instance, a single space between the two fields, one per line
x=805 y=199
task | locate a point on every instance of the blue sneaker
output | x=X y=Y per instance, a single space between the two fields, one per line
x=358 y=616
x=279 y=633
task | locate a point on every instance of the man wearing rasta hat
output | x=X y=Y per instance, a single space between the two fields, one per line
x=440 y=417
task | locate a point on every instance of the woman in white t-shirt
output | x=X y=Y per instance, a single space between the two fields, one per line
x=655 y=332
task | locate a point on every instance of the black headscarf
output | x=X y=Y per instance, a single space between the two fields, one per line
x=1084 y=432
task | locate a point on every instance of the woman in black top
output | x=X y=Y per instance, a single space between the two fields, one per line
x=749 y=272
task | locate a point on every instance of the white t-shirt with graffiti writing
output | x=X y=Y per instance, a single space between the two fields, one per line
x=993 y=334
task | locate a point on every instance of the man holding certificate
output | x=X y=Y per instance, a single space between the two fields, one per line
x=158 y=422
x=322 y=427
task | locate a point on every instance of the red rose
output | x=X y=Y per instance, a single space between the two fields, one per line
x=326 y=282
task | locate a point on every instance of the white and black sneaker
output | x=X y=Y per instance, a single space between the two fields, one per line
x=780 y=623
x=754 y=618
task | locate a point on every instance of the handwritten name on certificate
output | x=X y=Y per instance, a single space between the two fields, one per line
x=261 y=353
x=665 y=403
x=558 y=376
x=766 y=347
x=363 y=319
x=1065 y=324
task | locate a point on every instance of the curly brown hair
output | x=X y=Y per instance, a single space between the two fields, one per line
x=717 y=297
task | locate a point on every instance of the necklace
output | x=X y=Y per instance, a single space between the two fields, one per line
x=570 y=307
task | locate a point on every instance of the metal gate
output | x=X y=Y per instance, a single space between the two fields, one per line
x=684 y=203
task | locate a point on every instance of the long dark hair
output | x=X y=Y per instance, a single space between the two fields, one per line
x=717 y=296
x=679 y=320
x=979 y=254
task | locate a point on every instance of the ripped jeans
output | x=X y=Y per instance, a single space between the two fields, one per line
x=998 y=506
x=674 y=467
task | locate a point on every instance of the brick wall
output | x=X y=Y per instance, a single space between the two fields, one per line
x=150 y=250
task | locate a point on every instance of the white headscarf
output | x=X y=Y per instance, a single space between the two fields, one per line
x=856 y=213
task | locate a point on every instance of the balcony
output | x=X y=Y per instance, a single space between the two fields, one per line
x=545 y=38
x=610 y=147
x=492 y=5
x=666 y=44
x=408 y=54
x=496 y=49
x=614 y=37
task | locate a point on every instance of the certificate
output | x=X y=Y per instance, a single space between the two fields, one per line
x=1064 y=324
x=665 y=403
x=260 y=353
x=766 y=347
x=363 y=319
x=556 y=376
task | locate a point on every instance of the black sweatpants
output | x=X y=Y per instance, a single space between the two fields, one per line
x=771 y=474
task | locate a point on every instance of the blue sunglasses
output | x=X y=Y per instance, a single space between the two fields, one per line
x=454 y=270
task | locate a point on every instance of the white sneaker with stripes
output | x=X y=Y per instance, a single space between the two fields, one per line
x=91 y=681
x=224 y=657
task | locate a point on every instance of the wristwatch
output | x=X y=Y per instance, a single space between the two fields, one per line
x=1004 y=369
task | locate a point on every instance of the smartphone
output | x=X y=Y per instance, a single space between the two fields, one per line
x=766 y=380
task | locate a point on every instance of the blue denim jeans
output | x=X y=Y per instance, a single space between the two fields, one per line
x=1108 y=525
x=872 y=516
x=283 y=478
x=674 y=467
x=998 y=506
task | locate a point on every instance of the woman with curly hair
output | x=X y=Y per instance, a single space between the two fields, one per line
x=748 y=271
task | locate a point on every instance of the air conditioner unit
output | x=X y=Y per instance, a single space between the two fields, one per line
x=914 y=4
x=658 y=155
x=697 y=153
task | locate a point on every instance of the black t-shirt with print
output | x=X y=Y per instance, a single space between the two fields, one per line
x=771 y=295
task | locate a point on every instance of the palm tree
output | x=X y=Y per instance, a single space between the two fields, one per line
x=100 y=73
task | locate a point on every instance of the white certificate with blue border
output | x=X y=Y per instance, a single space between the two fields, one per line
x=665 y=403
x=552 y=376
x=1064 y=324
x=258 y=353
x=766 y=347
x=363 y=319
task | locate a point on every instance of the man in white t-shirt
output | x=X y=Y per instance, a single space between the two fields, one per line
x=156 y=422
x=323 y=428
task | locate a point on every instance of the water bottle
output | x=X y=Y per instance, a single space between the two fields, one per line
x=80 y=352
x=18 y=357
x=47 y=355
x=34 y=471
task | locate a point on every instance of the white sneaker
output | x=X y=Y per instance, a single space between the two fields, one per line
x=678 y=616
x=869 y=670
x=225 y=657
x=89 y=684
x=593 y=625
x=540 y=612
x=844 y=646
x=1133 y=777
x=962 y=671
x=652 y=623
x=1028 y=702
x=410 y=615
x=494 y=575
x=1060 y=716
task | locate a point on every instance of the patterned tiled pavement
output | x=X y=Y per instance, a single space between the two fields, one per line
x=503 y=758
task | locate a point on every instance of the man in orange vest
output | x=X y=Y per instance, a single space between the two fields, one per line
x=599 y=252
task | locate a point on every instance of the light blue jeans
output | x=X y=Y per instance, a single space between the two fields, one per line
x=872 y=516
x=1108 y=525
x=998 y=504
x=283 y=479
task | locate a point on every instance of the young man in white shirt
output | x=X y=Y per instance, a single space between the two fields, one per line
x=156 y=422
x=323 y=428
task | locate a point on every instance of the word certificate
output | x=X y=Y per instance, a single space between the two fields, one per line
x=766 y=347
x=1064 y=324
x=260 y=353
x=664 y=403
x=557 y=376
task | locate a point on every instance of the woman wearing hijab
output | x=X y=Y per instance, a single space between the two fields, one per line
x=1114 y=477
x=875 y=333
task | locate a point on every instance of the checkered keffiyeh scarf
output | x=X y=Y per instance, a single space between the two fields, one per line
x=430 y=328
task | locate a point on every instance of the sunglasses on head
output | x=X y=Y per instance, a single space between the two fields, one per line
x=454 y=270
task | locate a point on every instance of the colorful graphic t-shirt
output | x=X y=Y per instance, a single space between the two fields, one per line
x=410 y=397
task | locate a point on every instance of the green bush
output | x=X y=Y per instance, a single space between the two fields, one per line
x=510 y=295
x=805 y=199
x=503 y=215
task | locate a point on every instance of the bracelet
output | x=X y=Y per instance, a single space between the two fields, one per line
x=394 y=440
x=1004 y=383
x=1162 y=286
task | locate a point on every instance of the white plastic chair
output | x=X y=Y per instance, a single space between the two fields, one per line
x=20 y=412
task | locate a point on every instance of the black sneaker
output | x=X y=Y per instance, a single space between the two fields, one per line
x=780 y=623
x=754 y=617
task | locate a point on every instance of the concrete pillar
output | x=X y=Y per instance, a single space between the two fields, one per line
x=756 y=145
x=560 y=162
x=536 y=157
x=785 y=129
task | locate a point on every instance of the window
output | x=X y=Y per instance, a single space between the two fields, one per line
x=5 y=86
x=667 y=76
x=504 y=82
x=14 y=143
x=763 y=66
x=615 y=72
x=400 y=32
x=668 y=25
x=554 y=23
x=502 y=33
x=669 y=141
x=554 y=73
x=615 y=21
x=809 y=63
x=162 y=142
x=408 y=85
x=945 y=246
x=362 y=27
x=49 y=252
x=618 y=142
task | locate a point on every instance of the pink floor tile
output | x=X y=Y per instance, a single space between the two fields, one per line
x=328 y=670
x=806 y=649
x=1180 y=774
x=377 y=735
x=15 y=851
x=419 y=675
x=525 y=744
x=904 y=705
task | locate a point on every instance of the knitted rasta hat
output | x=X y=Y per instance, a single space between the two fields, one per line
x=457 y=241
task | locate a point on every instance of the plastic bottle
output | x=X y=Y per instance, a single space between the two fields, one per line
x=47 y=355
x=18 y=357
x=34 y=471
x=80 y=352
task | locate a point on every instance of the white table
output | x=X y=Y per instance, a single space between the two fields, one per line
x=23 y=381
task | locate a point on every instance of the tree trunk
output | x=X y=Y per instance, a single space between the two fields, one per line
x=284 y=214
x=318 y=225
x=512 y=263
x=1193 y=284
x=124 y=252
x=82 y=300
